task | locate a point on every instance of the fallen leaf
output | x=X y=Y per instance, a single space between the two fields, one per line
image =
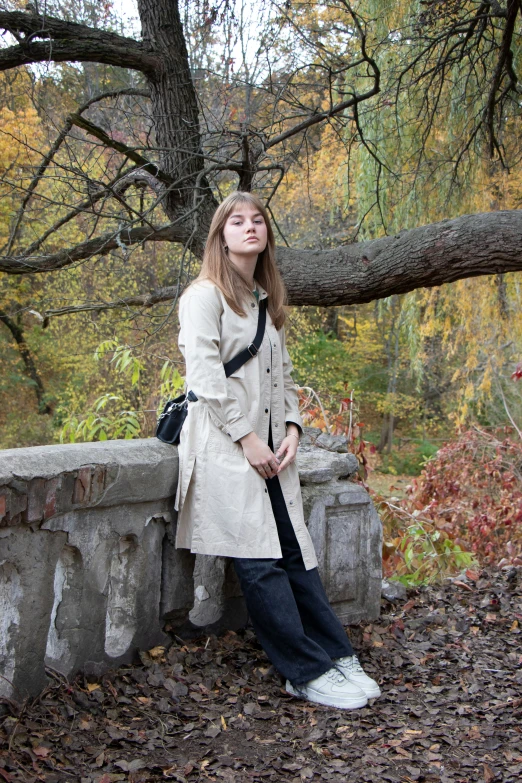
x=156 y=652
x=93 y=686
x=41 y=751
x=212 y=731
x=463 y=585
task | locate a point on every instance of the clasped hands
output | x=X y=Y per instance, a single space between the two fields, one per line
x=263 y=459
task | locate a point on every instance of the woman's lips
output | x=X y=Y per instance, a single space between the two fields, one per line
x=252 y=239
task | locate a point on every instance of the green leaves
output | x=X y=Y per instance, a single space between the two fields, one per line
x=123 y=359
x=113 y=425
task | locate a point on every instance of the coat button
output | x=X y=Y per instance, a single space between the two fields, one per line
x=275 y=384
x=268 y=369
x=253 y=305
x=266 y=410
x=291 y=502
x=275 y=425
x=266 y=489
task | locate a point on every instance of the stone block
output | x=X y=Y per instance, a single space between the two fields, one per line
x=36 y=500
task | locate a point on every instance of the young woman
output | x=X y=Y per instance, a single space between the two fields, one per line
x=238 y=492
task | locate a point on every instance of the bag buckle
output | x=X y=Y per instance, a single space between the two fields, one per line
x=256 y=350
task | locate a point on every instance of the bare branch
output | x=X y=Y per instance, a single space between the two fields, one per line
x=504 y=67
x=100 y=134
x=166 y=294
x=354 y=100
x=54 y=149
x=20 y=265
x=30 y=366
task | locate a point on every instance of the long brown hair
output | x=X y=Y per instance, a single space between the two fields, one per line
x=218 y=268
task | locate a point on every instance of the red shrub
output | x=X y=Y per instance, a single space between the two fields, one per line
x=472 y=489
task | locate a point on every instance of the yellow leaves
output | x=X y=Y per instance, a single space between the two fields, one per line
x=20 y=137
x=20 y=140
x=469 y=391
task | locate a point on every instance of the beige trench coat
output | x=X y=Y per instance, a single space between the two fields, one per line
x=222 y=501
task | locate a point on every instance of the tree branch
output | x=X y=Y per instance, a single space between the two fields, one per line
x=166 y=294
x=54 y=149
x=71 y=42
x=468 y=246
x=504 y=66
x=99 y=133
x=20 y=265
x=30 y=366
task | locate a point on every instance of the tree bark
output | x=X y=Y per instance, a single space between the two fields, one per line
x=468 y=246
x=176 y=115
x=428 y=256
x=68 y=41
x=30 y=366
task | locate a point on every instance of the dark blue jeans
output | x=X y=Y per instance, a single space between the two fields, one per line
x=288 y=607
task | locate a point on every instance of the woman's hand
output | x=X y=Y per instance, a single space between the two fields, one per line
x=260 y=455
x=289 y=445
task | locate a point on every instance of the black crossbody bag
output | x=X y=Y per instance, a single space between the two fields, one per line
x=175 y=411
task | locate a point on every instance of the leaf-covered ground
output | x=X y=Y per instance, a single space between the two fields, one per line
x=447 y=660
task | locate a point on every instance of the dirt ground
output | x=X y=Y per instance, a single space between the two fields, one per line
x=387 y=485
x=447 y=660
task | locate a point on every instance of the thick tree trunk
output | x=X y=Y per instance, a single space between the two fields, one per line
x=176 y=117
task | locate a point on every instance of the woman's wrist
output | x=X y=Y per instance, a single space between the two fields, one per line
x=293 y=429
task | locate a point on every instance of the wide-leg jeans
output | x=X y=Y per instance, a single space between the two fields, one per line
x=288 y=606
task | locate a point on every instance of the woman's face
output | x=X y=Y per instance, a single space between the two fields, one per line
x=245 y=231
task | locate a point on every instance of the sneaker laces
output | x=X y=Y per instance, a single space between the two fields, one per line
x=351 y=662
x=335 y=676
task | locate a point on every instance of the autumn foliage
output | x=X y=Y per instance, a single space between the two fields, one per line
x=471 y=490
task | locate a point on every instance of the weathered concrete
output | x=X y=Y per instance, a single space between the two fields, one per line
x=89 y=572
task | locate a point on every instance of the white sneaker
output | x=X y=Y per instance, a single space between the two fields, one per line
x=354 y=672
x=331 y=688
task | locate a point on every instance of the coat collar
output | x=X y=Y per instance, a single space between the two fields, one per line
x=262 y=293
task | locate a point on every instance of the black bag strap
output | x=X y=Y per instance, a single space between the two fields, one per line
x=247 y=353
x=251 y=350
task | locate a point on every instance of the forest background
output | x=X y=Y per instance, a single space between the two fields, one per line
x=424 y=384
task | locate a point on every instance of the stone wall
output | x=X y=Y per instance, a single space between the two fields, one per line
x=89 y=573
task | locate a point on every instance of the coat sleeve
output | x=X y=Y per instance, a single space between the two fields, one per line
x=199 y=339
x=292 y=414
